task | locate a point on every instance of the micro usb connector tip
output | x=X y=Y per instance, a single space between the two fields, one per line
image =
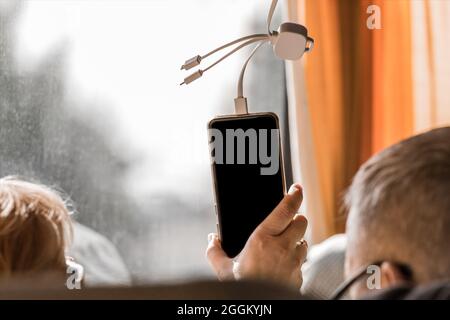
x=193 y=62
x=192 y=77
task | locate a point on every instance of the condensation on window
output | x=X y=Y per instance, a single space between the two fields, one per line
x=90 y=103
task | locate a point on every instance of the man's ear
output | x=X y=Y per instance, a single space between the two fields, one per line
x=391 y=275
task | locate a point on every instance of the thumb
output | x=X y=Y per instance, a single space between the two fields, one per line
x=280 y=218
x=221 y=264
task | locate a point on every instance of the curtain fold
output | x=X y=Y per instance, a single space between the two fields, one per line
x=431 y=52
x=392 y=104
x=303 y=151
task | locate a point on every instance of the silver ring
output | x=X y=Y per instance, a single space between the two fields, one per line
x=301 y=243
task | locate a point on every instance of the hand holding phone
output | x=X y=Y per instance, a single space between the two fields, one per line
x=274 y=252
x=248 y=174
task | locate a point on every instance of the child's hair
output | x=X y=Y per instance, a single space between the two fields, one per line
x=35 y=228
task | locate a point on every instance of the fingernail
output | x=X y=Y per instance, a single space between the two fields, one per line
x=294 y=188
x=210 y=237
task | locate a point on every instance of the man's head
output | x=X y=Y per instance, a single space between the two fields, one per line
x=399 y=210
x=35 y=229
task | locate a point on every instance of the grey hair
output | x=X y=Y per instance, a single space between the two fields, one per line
x=399 y=206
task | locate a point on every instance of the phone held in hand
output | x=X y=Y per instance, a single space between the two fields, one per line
x=247 y=172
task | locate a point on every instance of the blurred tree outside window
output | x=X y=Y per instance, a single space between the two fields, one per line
x=90 y=104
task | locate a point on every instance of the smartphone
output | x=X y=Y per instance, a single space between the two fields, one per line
x=248 y=174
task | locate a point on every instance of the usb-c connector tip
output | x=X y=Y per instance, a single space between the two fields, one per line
x=192 y=77
x=193 y=62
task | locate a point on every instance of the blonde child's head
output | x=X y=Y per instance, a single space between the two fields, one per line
x=35 y=229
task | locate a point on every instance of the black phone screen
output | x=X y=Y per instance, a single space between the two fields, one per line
x=248 y=174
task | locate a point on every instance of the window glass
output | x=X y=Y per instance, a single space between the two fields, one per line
x=90 y=103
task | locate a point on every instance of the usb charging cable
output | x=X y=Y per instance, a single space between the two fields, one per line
x=290 y=42
x=195 y=61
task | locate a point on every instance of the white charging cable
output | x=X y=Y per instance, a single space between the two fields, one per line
x=240 y=103
x=199 y=73
x=270 y=15
x=195 y=61
x=289 y=42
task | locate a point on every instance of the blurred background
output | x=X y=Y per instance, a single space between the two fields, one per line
x=90 y=103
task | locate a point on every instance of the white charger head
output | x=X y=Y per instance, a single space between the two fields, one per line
x=291 y=41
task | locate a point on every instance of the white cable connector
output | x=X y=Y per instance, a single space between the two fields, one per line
x=196 y=75
x=240 y=105
x=192 y=62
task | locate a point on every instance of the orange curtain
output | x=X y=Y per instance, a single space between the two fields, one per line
x=358 y=84
x=392 y=105
x=431 y=52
